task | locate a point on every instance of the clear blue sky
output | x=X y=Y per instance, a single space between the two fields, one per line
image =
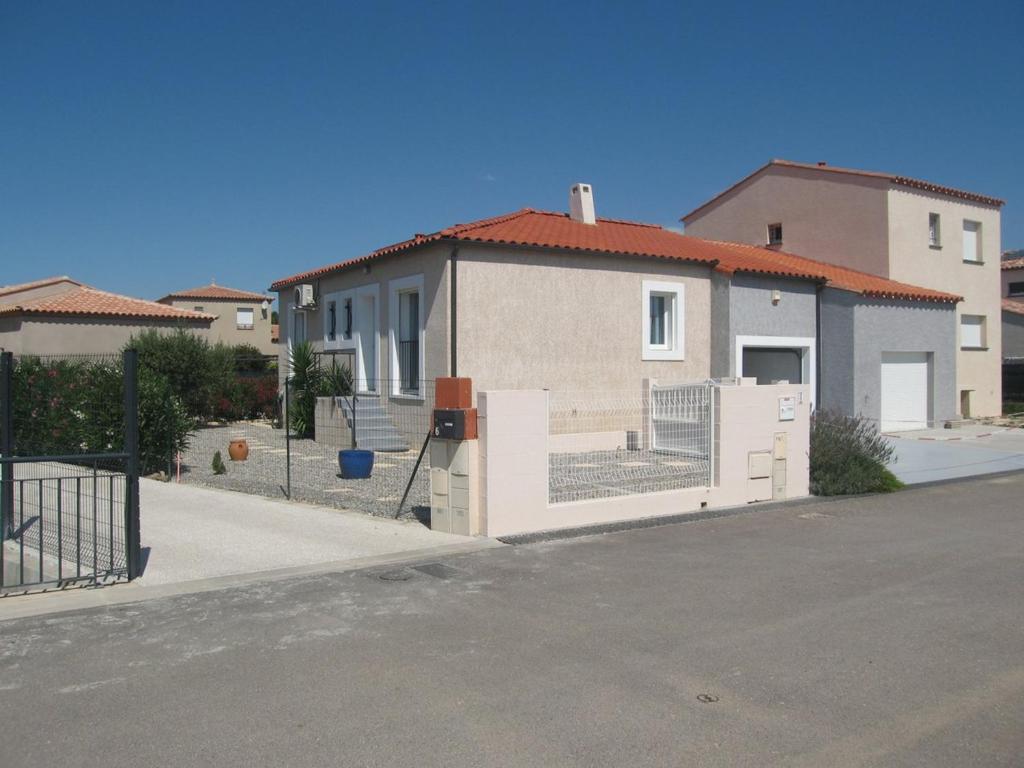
x=147 y=147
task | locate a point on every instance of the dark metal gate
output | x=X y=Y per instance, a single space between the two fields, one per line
x=68 y=517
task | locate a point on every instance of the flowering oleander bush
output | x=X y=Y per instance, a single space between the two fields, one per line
x=77 y=406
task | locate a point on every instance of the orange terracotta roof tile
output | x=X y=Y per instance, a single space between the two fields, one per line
x=1012 y=264
x=214 y=291
x=754 y=259
x=9 y=289
x=543 y=229
x=904 y=181
x=1014 y=306
x=84 y=301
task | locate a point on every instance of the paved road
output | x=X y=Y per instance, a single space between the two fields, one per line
x=885 y=631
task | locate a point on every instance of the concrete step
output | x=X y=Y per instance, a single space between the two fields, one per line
x=374 y=428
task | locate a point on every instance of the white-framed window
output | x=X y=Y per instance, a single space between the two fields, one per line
x=972 y=241
x=775 y=233
x=663 y=324
x=407 y=336
x=244 y=318
x=972 y=332
x=298 y=334
x=934 y=230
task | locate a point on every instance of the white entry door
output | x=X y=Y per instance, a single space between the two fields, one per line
x=904 y=391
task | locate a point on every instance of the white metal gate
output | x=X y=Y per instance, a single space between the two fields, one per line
x=682 y=420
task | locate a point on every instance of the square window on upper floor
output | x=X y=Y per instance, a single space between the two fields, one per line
x=775 y=234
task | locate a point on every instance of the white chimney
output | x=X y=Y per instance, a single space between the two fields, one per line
x=581 y=204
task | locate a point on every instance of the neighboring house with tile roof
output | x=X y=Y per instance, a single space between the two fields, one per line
x=1012 y=271
x=888 y=225
x=61 y=316
x=536 y=299
x=242 y=317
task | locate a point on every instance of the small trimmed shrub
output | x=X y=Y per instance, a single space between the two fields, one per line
x=848 y=456
x=218 y=464
x=336 y=380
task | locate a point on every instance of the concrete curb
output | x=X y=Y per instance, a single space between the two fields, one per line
x=19 y=605
x=712 y=514
x=964 y=438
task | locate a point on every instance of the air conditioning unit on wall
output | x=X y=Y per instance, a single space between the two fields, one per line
x=304 y=296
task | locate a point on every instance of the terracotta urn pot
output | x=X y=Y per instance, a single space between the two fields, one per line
x=238 y=450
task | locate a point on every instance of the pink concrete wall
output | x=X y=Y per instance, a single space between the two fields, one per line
x=514 y=461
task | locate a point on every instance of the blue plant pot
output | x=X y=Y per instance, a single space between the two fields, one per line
x=355 y=463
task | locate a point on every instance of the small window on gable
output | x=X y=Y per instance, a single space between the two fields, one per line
x=934 y=231
x=972 y=241
x=244 y=318
x=663 y=309
x=198 y=309
x=1015 y=289
x=775 y=234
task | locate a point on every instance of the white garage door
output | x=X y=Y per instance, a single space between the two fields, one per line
x=904 y=391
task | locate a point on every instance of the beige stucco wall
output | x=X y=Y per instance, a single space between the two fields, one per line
x=513 y=462
x=225 y=329
x=830 y=217
x=914 y=261
x=66 y=336
x=542 y=319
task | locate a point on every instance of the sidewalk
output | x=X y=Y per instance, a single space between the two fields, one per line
x=200 y=539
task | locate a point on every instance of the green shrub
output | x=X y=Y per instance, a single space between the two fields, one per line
x=77 y=406
x=194 y=370
x=1011 y=409
x=218 y=464
x=336 y=380
x=848 y=455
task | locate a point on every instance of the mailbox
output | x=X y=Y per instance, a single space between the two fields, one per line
x=455 y=424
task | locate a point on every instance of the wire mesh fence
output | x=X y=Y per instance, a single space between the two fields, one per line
x=294 y=452
x=614 y=443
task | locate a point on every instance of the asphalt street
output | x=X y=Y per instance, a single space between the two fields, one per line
x=879 y=631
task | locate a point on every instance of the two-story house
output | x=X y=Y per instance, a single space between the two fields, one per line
x=241 y=317
x=896 y=227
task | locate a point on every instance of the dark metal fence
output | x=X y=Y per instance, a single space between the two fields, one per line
x=71 y=516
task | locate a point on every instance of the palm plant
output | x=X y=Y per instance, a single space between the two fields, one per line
x=306 y=383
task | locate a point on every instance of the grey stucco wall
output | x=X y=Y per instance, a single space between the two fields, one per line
x=1013 y=335
x=751 y=312
x=904 y=326
x=721 y=337
x=836 y=386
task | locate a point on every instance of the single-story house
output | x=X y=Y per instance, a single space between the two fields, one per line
x=536 y=299
x=61 y=316
x=242 y=317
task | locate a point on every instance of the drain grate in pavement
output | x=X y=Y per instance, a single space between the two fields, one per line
x=437 y=570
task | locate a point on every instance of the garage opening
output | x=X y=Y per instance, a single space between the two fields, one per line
x=904 y=390
x=773 y=364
